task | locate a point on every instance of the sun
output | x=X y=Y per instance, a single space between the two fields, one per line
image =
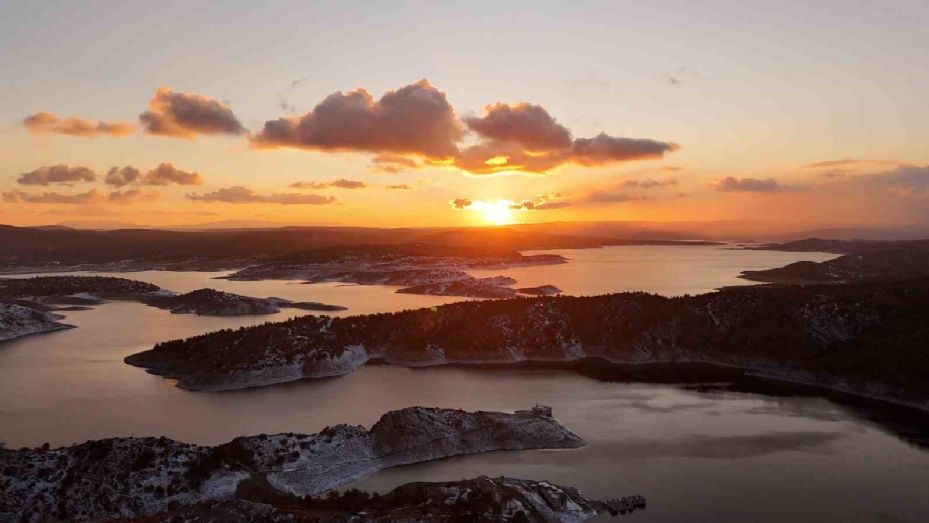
x=497 y=213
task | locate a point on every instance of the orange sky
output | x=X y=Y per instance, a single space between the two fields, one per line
x=683 y=114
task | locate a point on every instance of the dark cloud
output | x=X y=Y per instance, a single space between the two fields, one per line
x=399 y=187
x=187 y=115
x=122 y=176
x=730 y=184
x=603 y=149
x=416 y=119
x=92 y=196
x=239 y=194
x=43 y=122
x=390 y=163
x=57 y=174
x=167 y=174
x=341 y=183
x=461 y=203
x=528 y=125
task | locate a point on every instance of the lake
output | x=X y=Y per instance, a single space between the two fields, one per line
x=708 y=453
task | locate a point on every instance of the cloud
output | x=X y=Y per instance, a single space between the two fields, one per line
x=603 y=149
x=606 y=196
x=188 y=115
x=648 y=183
x=399 y=187
x=730 y=184
x=909 y=181
x=526 y=124
x=545 y=202
x=461 y=203
x=670 y=168
x=121 y=176
x=43 y=122
x=91 y=196
x=390 y=163
x=131 y=196
x=166 y=174
x=341 y=183
x=416 y=119
x=849 y=162
x=494 y=156
x=58 y=174
x=239 y=194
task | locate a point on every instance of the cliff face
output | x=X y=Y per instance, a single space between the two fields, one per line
x=133 y=477
x=863 y=338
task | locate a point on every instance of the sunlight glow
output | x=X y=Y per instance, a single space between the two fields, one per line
x=497 y=213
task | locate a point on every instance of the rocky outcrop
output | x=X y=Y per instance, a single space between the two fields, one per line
x=17 y=321
x=484 y=499
x=493 y=287
x=134 y=477
x=542 y=290
x=864 y=339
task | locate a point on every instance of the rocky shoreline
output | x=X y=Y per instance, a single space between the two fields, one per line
x=826 y=335
x=140 y=477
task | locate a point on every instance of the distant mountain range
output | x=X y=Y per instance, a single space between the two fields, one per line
x=734 y=230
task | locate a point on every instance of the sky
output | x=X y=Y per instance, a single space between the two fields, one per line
x=811 y=114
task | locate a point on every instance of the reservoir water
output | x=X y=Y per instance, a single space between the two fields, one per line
x=698 y=453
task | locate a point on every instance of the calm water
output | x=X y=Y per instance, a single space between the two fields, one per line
x=714 y=455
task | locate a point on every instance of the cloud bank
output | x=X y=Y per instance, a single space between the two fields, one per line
x=341 y=183
x=239 y=194
x=44 y=122
x=57 y=174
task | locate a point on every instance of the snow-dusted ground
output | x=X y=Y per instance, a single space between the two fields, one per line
x=133 y=477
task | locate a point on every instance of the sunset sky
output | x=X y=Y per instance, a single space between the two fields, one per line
x=410 y=113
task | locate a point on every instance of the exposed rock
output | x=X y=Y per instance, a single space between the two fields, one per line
x=209 y=302
x=135 y=477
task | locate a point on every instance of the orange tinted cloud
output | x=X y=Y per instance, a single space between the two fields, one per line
x=131 y=196
x=121 y=176
x=92 y=196
x=730 y=184
x=389 y=163
x=166 y=174
x=849 y=162
x=57 y=174
x=239 y=194
x=341 y=183
x=43 y=122
x=416 y=119
x=188 y=115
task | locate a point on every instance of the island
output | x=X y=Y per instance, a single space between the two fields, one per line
x=866 y=261
x=863 y=338
x=417 y=268
x=27 y=304
x=141 y=477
